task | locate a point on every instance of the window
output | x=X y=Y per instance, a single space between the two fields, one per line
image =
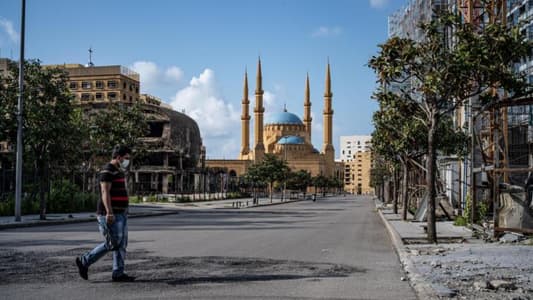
x=112 y=96
x=124 y=97
x=73 y=85
x=131 y=98
x=85 y=97
x=99 y=84
x=131 y=87
x=112 y=84
x=85 y=84
x=124 y=85
x=99 y=96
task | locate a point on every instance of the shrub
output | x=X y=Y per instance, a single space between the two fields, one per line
x=460 y=221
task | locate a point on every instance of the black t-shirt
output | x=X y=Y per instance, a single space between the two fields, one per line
x=118 y=192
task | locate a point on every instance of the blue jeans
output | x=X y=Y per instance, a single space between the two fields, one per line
x=116 y=240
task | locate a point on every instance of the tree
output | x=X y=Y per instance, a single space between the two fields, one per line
x=270 y=170
x=50 y=131
x=299 y=180
x=400 y=136
x=442 y=77
x=116 y=123
x=320 y=181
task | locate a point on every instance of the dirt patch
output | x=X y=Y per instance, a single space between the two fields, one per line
x=50 y=267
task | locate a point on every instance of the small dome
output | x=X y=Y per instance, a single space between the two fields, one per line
x=291 y=140
x=283 y=118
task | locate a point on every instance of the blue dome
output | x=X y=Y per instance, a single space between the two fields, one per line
x=291 y=140
x=283 y=118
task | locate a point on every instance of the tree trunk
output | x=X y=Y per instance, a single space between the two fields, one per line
x=271 y=184
x=430 y=179
x=394 y=191
x=405 y=203
x=41 y=180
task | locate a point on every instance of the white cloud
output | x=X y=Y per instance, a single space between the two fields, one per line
x=7 y=26
x=379 y=3
x=324 y=31
x=152 y=76
x=202 y=102
x=317 y=131
x=174 y=74
x=270 y=102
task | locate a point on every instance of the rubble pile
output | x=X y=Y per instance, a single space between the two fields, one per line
x=478 y=271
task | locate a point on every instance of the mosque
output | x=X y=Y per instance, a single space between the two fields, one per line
x=285 y=135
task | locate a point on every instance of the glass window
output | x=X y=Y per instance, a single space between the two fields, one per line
x=73 y=85
x=112 y=96
x=124 y=97
x=124 y=85
x=85 y=84
x=112 y=84
x=99 y=84
x=85 y=97
x=99 y=96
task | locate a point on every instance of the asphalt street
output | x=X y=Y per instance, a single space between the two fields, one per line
x=335 y=248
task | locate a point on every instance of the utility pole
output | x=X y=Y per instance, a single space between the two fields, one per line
x=18 y=178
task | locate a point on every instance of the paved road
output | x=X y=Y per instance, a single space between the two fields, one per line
x=335 y=248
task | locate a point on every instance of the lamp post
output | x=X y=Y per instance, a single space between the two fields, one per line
x=285 y=175
x=18 y=187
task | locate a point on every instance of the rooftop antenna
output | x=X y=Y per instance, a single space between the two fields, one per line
x=90 y=57
x=285 y=107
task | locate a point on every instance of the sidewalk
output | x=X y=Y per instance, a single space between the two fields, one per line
x=138 y=210
x=460 y=266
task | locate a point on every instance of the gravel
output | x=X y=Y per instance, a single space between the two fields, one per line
x=476 y=271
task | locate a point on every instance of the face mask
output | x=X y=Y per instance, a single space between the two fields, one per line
x=125 y=163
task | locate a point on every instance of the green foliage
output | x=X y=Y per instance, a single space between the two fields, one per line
x=481 y=210
x=269 y=170
x=436 y=77
x=65 y=197
x=299 y=180
x=119 y=123
x=460 y=221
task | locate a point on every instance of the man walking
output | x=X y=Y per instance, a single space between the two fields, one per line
x=112 y=217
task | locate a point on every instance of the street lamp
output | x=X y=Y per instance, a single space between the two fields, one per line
x=284 y=177
x=18 y=175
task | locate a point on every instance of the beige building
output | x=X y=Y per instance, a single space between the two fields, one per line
x=357 y=173
x=174 y=144
x=284 y=134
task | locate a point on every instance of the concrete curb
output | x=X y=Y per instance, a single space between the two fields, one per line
x=275 y=203
x=134 y=215
x=423 y=289
x=76 y=220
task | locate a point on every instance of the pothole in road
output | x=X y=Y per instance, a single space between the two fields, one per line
x=32 y=267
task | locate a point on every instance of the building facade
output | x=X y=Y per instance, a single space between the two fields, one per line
x=173 y=163
x=350 y=145
x=355 y=152
x=284 y=134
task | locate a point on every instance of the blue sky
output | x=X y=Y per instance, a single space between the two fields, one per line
x=193 y=54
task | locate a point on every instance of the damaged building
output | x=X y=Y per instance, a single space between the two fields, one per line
x=173 y=163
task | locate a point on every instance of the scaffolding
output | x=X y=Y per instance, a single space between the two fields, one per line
x=501 y=135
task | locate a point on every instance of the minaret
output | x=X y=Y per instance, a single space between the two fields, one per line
x=245 y=121
x=307 y=109
x=328 y=150
x=259 y=148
